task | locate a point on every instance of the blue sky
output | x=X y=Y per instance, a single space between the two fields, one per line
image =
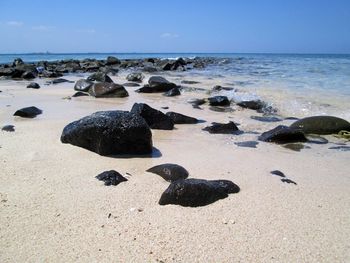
x=249 y=26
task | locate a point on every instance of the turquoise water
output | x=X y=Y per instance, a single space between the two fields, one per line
x=310 y=83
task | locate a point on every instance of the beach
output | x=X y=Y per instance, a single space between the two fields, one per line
x=53 y=209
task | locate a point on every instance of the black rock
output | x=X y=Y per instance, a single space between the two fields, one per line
x=197 y=192
x=340 y=148
x=136 y=77
x=288 y=181
x=248 y=144
x=220 y=88
x=222 y=128
x=197 y=102
x=219 y=101
x=266 y=118
x=315 y=139
x=112 y=61
x=110 y=132
x=278 y=173
x=83 y=85
x=252 y=104
x=51 y=74
x=173 y=92
x=17 y=61
x=131 y=84
x=79 y=94
x=221 y=109
x=189 y=82
x=181 y=119
x=111 y=177
x=58 y=81
x=154 y=118
x=149 y=69
x=6 y=71
x=169 y=171
x=321 y=125
x=8 y=128
x=157 y=84
x=106 y=89
x=283 y=134
x=29 y=112
x=33 y=85
x=28 y=75
x=100 y=77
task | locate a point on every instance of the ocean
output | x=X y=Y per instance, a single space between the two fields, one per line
x=300 y=84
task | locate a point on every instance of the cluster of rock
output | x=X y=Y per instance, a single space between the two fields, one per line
x=54 y=69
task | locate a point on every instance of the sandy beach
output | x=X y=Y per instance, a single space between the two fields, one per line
x=53 y=209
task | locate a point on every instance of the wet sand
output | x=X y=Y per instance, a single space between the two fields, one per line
x=53 y=209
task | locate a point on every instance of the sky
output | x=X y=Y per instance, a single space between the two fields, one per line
x=213 y=26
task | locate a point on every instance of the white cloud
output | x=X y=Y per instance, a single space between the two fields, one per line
x=42 y=28
x=169 y=35
x=14 y=23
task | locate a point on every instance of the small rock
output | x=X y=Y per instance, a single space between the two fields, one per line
x=28 y=112
x=8 y=128
x=111 y=177
x=136 y=77
x=100 y=77
x=278 y=173
x=112 y=60
x=283 y=134
x=33 y=85
x=106 y=89
x=173 y=92
x=219 y=101
x=169 y=171
x=266 y=118
x=79 y=94
x=58 y=81
x=197 y=192
x=252 y=104
x=83 y=85
x=222 y=128
x=288 y=181
x=221 y=109
x=249 y=144
x=180 y=118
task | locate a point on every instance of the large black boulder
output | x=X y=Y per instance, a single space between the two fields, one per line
x=154 y=118
x=28 y=112
x=157 y=84
x=106 y=89
x=179 y=118
x=197 y=192
x=283 y=134
x=321 y=125
x=110 y=132
x=83 y=85
x=100 y=77
x=219 y=101
x=169 y=171
x=222 y=128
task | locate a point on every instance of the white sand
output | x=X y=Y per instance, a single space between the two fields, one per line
x=52 y=208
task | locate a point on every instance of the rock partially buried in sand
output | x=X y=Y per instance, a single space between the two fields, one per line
x=154 y=118
x=219 y=101
x=106 y=89
x=110 y=132
x=59 y=81
x=222 y=128
x=100 y=77
x=28 y=112
x=157 y=84
x=283 y=134
x=197 y=192
x=266 y=118
x=83 y=85
x=173 y=92
x=169 y=171
x=321 y=125
x=8 y=128
x=252 y=104
x=33 y=85
x=247 y=144
x=111 y=177
x=179 y=118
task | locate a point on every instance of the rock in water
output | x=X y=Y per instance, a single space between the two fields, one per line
x=83 y=85
x=219 y=101
x=8 y=128
x=28 y=112
x=180 y=118
x=33 y=85
x=106 y=89
x=154 y=118
x=222 y=128
x=283 y=134
x=136 y=77
x=110 y=132
x=100 y=76
x=112 y=61
x=111 y=177
x=157 y=84
x=169 y=171
x=173 y=92
x=321 y=125
x=197 y=192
